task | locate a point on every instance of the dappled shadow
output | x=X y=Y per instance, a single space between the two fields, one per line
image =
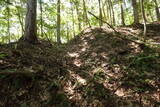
x=124 y=71
x=136 y=32
x=95 y=69
x=32 y=76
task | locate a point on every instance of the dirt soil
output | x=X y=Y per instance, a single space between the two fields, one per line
x=95 y=69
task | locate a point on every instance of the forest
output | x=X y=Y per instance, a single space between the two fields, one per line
x=80 y=53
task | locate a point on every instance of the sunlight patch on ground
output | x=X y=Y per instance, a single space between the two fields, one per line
x=77 y=62
x=83 y=49
x=78 y=79
x=87 y=30
x=130 y=31
x=156 y=96
x=94 y=54
x=97 y=70
x=116 y=68
x=104 y=55
x=70 y=87
x=120 y=92
x=136 y=47
x=85 y=43
x=73 y=54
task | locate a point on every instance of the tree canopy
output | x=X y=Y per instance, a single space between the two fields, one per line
x=74 y=16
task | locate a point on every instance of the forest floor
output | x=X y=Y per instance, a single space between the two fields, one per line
x=98 y=68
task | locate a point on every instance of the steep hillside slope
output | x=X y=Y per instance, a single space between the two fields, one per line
x=95 y=69
x=106 y=65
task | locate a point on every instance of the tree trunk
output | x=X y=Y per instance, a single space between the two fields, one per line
x=122 y=14
x=135 y=11
x=110 y=13
x=151 y=16
x=8 y=21
x=78 y=16
x=58 y=22
x=73 y=22
x=85 y=16
x=67 y=32
x=30 y=34
x=157 y=10
x=143 y=15
x=100 y=13
x=103 y=10
x=41 y=16
x=113 y=16
x=20 y=18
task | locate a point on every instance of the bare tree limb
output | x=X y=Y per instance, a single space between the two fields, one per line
x=104 y=22
x=119 y=35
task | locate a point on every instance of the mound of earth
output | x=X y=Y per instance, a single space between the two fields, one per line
x=31 y=76
x=95 y=69
x=112 y=71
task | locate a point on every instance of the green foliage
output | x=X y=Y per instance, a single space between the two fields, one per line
x=18 y=10
x=99 y=74
x=24 y=105
x=145 y=62
x=3 y=55
x=113 y=60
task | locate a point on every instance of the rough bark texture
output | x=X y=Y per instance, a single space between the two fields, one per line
x=144 y=18
x=78 y=16
x=73 y=22
x=157 y=10
x=113 y=16
x=100 y=13
x=8 y=20
x=110 y=13
x=58 y=22
x=122 y=15
x=85 y=16
x=135 y=11
x=41 y=15
x=30 y=34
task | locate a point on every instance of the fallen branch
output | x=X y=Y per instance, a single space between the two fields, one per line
x=118 y=34
x=104 y=22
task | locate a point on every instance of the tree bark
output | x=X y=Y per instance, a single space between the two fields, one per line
x=135 y=11
x=41 y=16
x=122 y=14
x=8 y=21
x=110 y=13
x=144 y=19
x=73 y=22
x=30 y=34
x=78 y=16
x=67 y=32
x=85 y=16
x=58 y=22
x=100 y=13
x=103 y=10
x=113 y=16
x=157 y=10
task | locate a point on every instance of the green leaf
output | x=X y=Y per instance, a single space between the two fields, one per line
x=3 y=55
x=24 y=105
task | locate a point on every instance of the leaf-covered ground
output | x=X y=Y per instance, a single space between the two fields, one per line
x=96 y=69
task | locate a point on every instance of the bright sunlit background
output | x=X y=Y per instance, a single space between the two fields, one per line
x=69 y=19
